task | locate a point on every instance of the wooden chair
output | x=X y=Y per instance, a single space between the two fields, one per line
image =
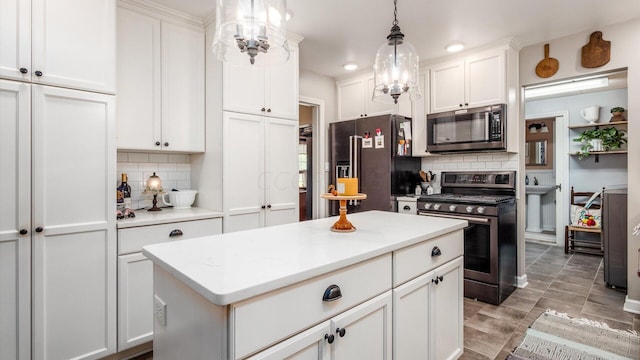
x=574 y=244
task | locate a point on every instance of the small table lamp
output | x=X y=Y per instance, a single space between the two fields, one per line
x=154 y=187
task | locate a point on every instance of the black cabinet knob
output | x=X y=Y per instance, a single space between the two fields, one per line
x=329 y=338
x=157 y=143
x=24 y=70
x=435 y=281
x=166 y=143
x=466 y=104
x=269 y=206
x=269 y=110
x=441 y=278
x=407 y=207
x=39 y=229
x=38 y=73
x=263 y=109
x=263 y=207
x=176 y=232
x=23 y=231
x=332 y=293
x=436 y=251
x=341 y=331
x=460 y=105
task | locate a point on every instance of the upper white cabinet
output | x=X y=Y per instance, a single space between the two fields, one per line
x=476 y=80
x=160 y=83
x=260 y=171
x=355 y=100
x=68 y=43
x=262 y=90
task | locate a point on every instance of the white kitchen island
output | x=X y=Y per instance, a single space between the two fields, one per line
x=393 y=288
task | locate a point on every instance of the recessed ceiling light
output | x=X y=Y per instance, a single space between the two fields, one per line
x=350 y=66
x=455 y=47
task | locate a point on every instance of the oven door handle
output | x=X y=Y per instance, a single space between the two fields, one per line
x=469 y=219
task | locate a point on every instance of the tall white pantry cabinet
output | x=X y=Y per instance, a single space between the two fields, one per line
x=57 y=156
x=260 y=144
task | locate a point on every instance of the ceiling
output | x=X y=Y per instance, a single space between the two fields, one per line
x=339 y=31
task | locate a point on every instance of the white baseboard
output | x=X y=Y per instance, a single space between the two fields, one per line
x=521 y=281
x=632 y=306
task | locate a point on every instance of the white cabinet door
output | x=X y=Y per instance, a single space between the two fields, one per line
x=182 y=88
x=73 y=44
x=364 y=332
x=139 y=82
x=411 y=318
x=447 y=316
x=15 y=39
x=243 y=171
x=15 y=215
x=74 y=244
x=243 y=88
x=312 y=344
x=135 y=300
x=485 y=80
x=281 y=88
x=447 y=86
x=281 y=171
x=374 y=108
x=351 y=99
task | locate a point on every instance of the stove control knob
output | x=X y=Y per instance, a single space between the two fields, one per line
x=436 y=207
x=480 y=210
x=452 y=207
x=469 y=209
x=427 y=206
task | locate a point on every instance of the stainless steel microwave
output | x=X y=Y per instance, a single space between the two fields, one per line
x=475 y=129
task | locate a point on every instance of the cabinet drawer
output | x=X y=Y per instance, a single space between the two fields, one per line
x=416 y=260
x=407 y=207
x=133 y=239
x=297 y=307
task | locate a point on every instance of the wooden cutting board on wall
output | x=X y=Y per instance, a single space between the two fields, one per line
x=597 y=52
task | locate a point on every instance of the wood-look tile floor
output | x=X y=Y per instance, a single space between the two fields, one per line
x=569 y=283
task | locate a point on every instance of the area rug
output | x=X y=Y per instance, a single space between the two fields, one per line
x=557 y=336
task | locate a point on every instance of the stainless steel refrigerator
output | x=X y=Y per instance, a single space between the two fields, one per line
x=377 y=150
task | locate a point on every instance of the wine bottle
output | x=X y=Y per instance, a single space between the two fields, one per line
x=124 y=194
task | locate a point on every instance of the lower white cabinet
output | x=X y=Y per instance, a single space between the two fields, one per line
x=428 y=315
x=135 y=274
x=363 y=332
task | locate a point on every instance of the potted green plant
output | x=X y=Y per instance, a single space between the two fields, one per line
x=590 y=141
x=612 y=138
x=617 y=111
x=599 y=140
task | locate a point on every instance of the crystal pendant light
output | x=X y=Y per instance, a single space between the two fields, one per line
x=396 y=67
x=251 y=27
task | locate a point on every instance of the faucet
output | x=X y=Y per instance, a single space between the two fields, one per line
x=535 y=180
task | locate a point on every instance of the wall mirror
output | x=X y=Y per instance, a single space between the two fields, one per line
x=536 y=153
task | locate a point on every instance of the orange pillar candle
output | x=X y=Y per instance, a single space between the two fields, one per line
x=347 y=186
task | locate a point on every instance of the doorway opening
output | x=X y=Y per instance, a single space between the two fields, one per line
x=313 y=171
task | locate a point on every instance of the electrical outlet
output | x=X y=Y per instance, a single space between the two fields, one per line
x=160 y=310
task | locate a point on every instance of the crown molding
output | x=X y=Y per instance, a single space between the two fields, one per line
x=162 y=11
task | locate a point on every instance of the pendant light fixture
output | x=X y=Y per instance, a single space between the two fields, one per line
x=251 y=27
x=396 y=67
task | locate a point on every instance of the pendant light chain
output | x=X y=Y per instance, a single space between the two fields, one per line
x=395 y=12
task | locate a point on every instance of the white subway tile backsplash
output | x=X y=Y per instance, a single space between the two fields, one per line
x=173 y=170
x=500 y=157
x=138 y=157
x=496 y=161
x=478 y=165
x=493 y=165
x=470 y=158
x=485 y=157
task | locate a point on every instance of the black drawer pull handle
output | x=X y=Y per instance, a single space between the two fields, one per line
x=332 y=293
x=176 y=232
x=341 y=331
x=436 y=251
x=407 y=207
x=329 y=338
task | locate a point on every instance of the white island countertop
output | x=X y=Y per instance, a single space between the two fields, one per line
x=235 y=266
